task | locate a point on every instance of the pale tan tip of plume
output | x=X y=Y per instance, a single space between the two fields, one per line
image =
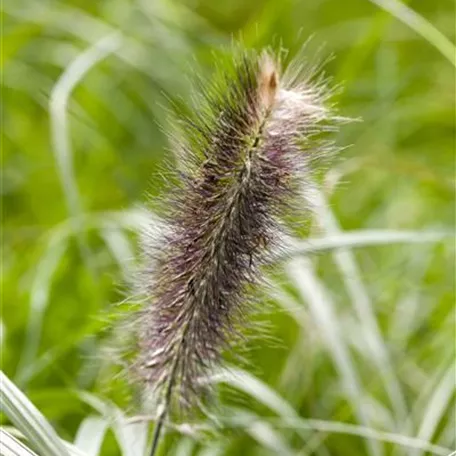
x=268 y=81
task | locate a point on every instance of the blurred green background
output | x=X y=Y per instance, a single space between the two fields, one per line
x=361 y=337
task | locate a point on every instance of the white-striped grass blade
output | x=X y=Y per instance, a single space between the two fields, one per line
x=26 y=417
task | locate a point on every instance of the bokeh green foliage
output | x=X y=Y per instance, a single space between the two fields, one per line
x=64 y=263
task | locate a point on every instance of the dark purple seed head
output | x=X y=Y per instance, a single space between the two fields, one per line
x=248 y=148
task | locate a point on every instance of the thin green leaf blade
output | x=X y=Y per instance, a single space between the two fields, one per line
x=26 y=417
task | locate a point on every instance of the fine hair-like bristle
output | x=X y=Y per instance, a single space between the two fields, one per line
x=247 y=149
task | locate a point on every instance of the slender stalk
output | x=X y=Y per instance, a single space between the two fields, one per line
x=157 y=432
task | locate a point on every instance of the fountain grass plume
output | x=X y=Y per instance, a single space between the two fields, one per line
x=246 y=151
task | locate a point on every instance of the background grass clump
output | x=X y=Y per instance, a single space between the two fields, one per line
x=362 y=357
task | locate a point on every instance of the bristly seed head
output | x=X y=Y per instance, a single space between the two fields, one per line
x=247 y=149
